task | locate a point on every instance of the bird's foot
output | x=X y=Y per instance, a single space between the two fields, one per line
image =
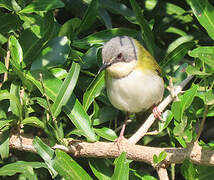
x=156 y=113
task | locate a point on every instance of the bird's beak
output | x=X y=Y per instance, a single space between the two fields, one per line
x=103 y=67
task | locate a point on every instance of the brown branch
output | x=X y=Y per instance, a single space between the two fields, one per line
x=151 y=119
x=162 y=173
x=194 y=152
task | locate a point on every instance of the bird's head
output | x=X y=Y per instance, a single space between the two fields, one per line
x=119 y=56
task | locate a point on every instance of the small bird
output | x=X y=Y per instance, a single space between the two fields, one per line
x=132 y=75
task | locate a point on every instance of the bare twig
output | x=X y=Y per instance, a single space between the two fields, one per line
x=47 y=98
x=151 y=119
x=194 y=152
x=202 y=122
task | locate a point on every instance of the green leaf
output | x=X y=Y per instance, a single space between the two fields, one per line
x=6 y=4
x=188 y=170
x=93 y=90
x=167 y=116
x=9 y=22
x=46 y=153
x=4 y=144
x=105 y=114
x=4 y=123
x=89 y=17
x=193 y=71
x=25 y=168
x=69 y=27
x=32 y=45
x=34 y=121
x=6 y=95
x=59 y=73
x=104 y=15
x=106 y=133
x=162 y=156
x=120 y=9
x=145 y=29
x=3 y=69
x=42 y=5
x=176 y=110
x=203 y=172
x=15 y=90
x=155 y=159
x=79 y=117
x=73 y=108
x=203 y=11
x=205 y=53
x=89 y=59
x=67 y=167
x=55 y=53
x=101 y=37
x=100 y=169
x=177 y=54
x=188 y=97
x=15 y=50
x=121 y=170
x=66 y=89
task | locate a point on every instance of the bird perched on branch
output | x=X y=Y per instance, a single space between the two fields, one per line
x=132 y=77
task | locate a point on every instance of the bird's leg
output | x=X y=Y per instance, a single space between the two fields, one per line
x=121 y=136
x=156 y=112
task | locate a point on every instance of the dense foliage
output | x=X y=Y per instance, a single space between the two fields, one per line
x=50 y=53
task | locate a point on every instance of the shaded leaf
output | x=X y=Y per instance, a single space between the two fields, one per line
x=145 y=29
x=42 y=5
x=177 y=54
x=101 y=37
x=89 y=16
x=55 y=53
x=4 y=144
x=100 y=169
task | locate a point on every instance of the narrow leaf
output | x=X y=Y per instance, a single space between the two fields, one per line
x=101 y=37
x=106 y=133
x=66 y=89
x=145 y=29
x=42 y=5
x=203 y=11
x=34 y=121
x=15 y=49
x=93 y=90
x=89 y=17
x=121 y=170
x=55 y=53
x=67 y=167
x=46 y=153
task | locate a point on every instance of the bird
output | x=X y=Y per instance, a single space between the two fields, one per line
x=132 y=76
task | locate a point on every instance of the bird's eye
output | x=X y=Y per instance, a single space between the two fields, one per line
x=119 y=56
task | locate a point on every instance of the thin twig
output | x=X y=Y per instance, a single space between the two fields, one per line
x=47 y=98
x=151 y=119
x=202 y=122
